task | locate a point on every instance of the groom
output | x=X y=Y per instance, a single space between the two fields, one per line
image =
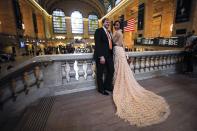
x=103 y=55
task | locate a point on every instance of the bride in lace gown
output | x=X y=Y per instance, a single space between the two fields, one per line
x=134 y=104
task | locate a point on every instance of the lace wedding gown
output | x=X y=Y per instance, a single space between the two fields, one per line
x=134 y=104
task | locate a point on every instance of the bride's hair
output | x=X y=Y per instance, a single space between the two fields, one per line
x=117 y=21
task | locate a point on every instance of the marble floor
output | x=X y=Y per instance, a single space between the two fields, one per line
x=91 y=111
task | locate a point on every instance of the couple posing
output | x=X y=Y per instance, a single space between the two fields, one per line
x=134 y=104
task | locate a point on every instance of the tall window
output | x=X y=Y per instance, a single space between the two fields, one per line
x=59 y=21
x=18 y=15
x=77 y=22
x=109 y=8
x=117 y=2
x=92 y=23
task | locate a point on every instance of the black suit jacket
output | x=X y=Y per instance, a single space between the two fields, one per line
x=102 y=44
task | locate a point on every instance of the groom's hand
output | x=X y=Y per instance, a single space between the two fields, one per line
x=102 y=60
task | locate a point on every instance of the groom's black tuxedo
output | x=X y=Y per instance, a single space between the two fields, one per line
x=102 y=49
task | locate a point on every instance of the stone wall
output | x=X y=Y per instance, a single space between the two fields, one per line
x=7 y=18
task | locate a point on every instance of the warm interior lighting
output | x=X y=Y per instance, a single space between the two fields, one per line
x=119 y=6
x=91 y=37
x=23 y=26
x=60 y=37
x=39 y=7
x=171 y=27
x=77 y=37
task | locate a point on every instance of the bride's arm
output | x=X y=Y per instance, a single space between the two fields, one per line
x=115 y=37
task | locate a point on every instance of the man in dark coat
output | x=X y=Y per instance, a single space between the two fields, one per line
x=103 y=55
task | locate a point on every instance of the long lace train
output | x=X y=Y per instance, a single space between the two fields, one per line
x=135 y=104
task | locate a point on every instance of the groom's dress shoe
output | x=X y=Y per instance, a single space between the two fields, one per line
x=104 y=93
x=110 y=90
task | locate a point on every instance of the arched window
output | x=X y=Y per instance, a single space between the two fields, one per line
x=59 y=21
x=117 y=2
x=77 y=22
x=92 y=23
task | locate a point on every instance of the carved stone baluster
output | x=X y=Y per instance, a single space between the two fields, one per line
x=85 y=66
x=37 y=74
x=76 y=68
x=147 y=64
x=67 y=70
x=176 y=59
x=160 y=59
x=142 y=64
x=156 y=67
x=137 y=65
x=72 y=73
x=63 y=72
x=181 y=59
x=26 y=82
x=13 y=89
x=94 y=70
x=89 y=70
x=152 y=63
x=168 y=61
x=131 y=63
x=80 y=70
x=171 y=61
x=164 y=62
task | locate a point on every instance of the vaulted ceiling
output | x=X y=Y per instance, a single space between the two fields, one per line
x=86 y=7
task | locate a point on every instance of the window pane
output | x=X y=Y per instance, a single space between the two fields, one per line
x=92 y=23
x=109 y=8
x=77 y=22
x=117 y=2
x=59 y=22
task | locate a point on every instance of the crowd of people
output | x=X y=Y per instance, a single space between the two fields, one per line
x=49 y=50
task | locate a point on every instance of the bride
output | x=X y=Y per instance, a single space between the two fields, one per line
x=134 y=104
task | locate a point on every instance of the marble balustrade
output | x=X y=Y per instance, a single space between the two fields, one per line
x=69 y=73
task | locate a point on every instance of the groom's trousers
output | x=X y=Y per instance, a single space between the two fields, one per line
x=106 y=70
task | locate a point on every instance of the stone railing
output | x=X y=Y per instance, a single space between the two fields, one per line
x=60 y=74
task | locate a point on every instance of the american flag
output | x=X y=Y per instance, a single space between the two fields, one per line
x=129 y=25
